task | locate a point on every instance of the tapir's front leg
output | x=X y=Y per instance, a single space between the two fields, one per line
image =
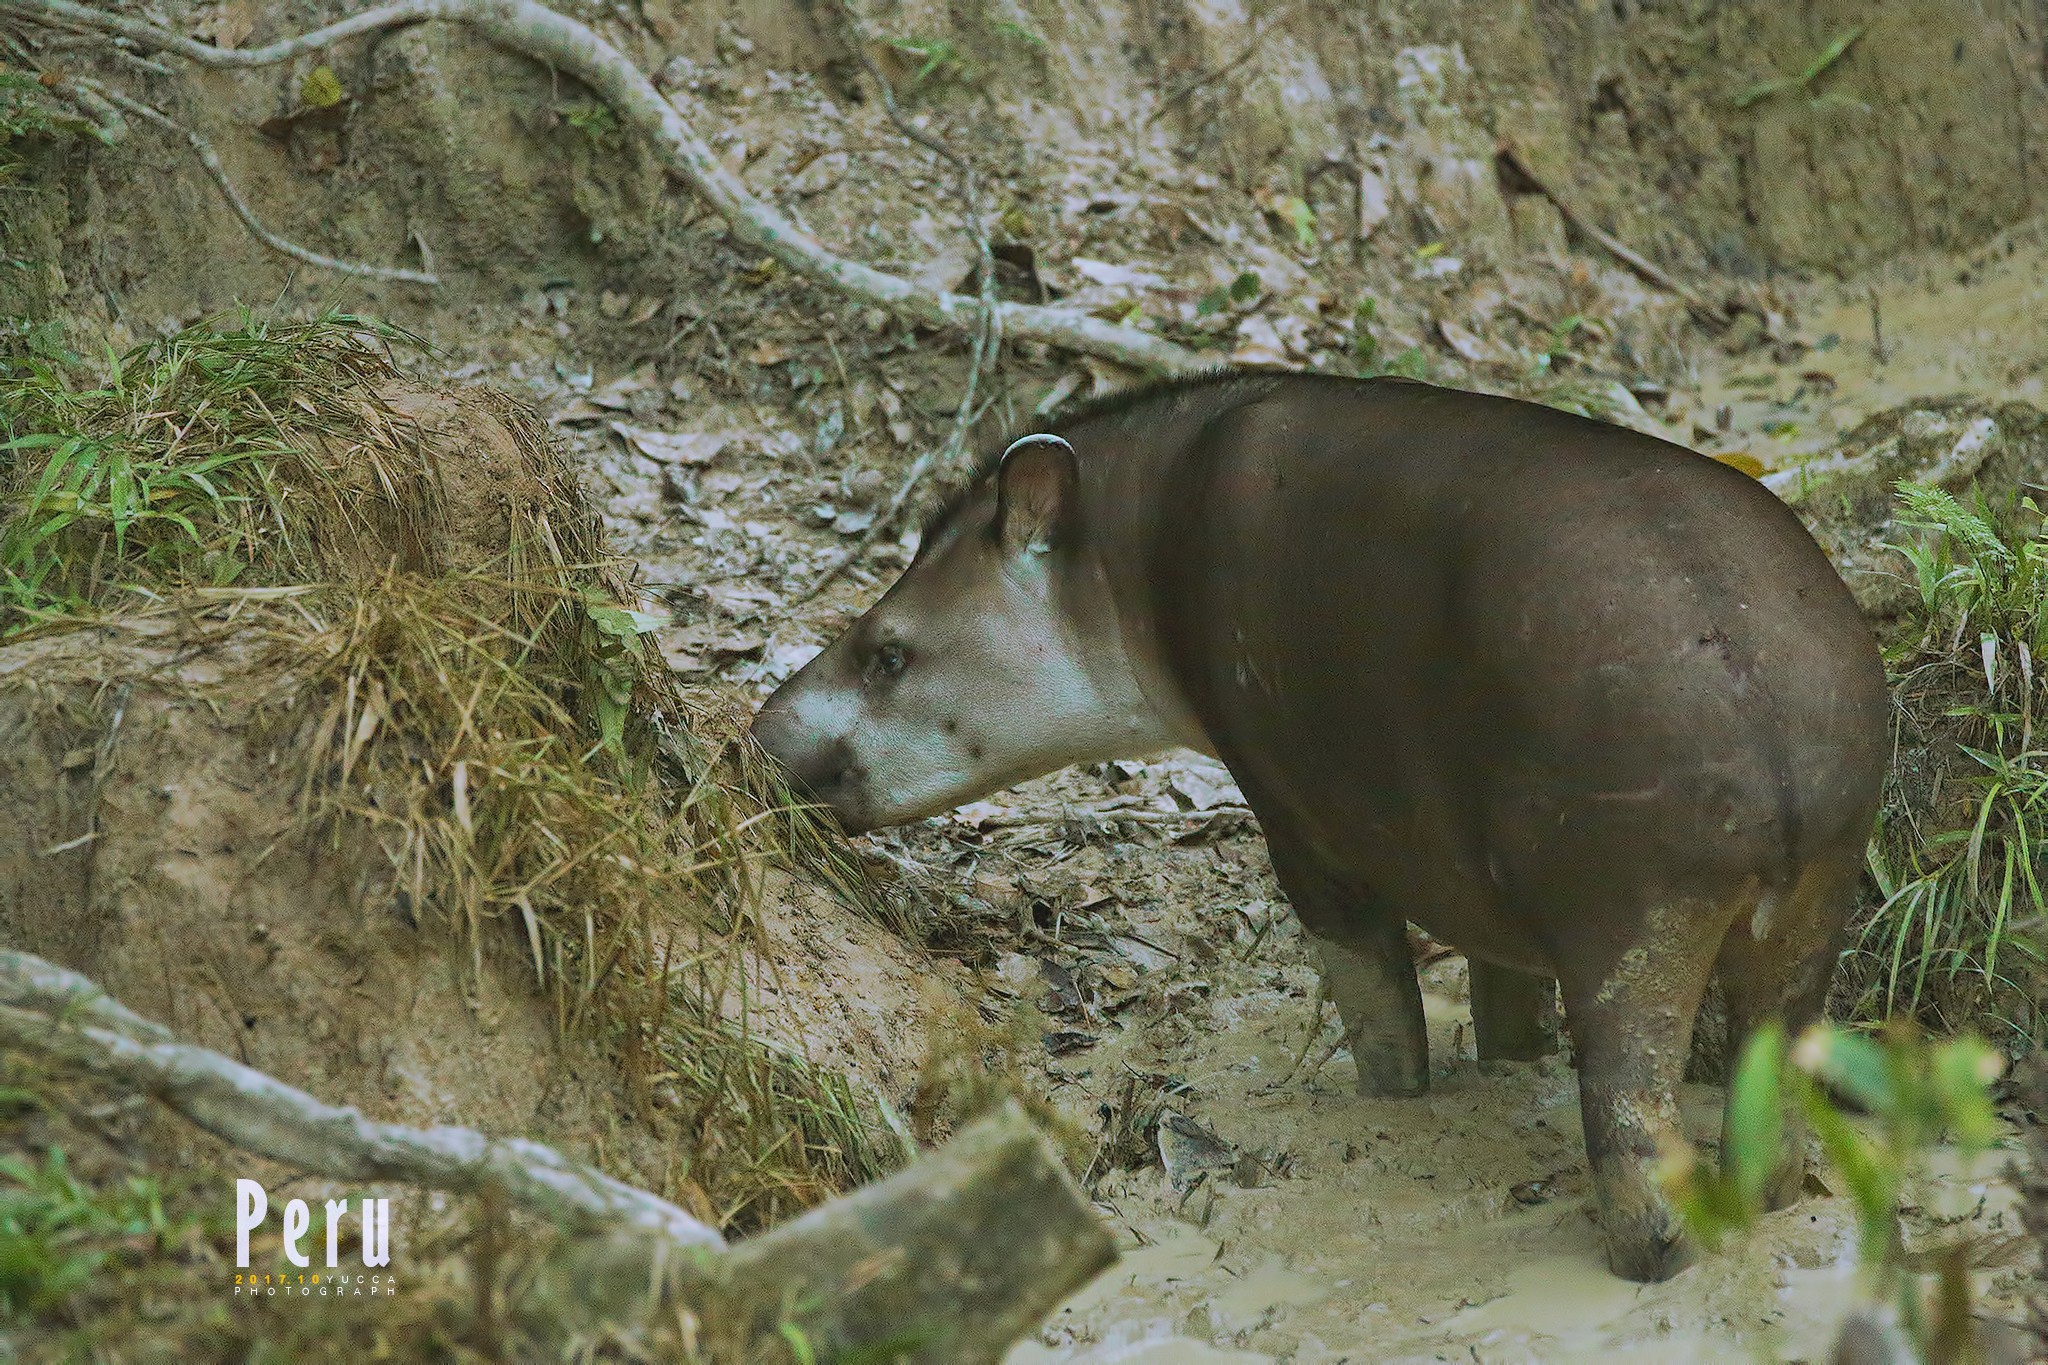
x=1367 y=970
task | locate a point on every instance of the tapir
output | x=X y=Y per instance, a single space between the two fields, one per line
x=1592 y=707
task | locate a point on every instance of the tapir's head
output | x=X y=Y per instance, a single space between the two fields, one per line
x=994 y=658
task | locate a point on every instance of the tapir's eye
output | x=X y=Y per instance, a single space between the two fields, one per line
x=890 y=660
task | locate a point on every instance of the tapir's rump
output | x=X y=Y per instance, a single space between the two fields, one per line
x=1586 y=704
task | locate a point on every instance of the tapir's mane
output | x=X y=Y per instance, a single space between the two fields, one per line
x=1116 y=403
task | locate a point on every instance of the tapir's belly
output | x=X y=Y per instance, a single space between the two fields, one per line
x=1405 y=854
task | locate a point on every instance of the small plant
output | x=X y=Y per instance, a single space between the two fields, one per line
x=1412 y=363
x=938 y=55
x=595 y=120
x=1240 y=292
x=1365 y=343
x=56 y=1233
x=22 y=114
x=1557 y=346
x=1916 y=1094
x=1829 y=55
x=1955 y=939
x=1010 y=28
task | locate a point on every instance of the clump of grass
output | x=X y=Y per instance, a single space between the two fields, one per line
x=469 y=691
x=178 y=465
x=1956 y=939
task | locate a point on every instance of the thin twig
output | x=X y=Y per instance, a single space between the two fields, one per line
x=988 y=339
x=542 y=34
x=211 y=161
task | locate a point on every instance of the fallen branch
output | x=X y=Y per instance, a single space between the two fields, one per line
x=211 y=161
x=1642 y=265
x=57 y=1013
x=953 y=1260
x=540 y=33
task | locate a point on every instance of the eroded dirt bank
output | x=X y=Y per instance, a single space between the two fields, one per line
x=742 y=429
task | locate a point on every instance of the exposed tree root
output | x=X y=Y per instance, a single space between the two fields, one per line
x=57 y=1013
x=540 y=33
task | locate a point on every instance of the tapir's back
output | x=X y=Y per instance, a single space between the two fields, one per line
x=1416 y=607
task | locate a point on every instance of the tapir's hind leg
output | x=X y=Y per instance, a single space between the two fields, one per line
x=1366 y=970
x=1777 y=963
x=1514 y=1013
x=1629 y=1002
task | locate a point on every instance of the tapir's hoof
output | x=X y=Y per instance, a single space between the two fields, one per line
x=1651 y=1250
x=1786 y=1184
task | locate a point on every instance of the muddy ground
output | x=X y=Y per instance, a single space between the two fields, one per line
x=742 y=431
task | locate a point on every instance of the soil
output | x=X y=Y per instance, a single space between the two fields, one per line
x=742 y=431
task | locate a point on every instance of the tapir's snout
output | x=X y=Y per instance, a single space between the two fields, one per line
x=823 y=770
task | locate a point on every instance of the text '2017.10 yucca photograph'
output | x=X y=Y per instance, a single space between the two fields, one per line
x=872 y=681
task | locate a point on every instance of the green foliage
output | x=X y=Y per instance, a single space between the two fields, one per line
x=1916 y=1093
x=938 y=55
x=1296 y=213
x=595 y=120
x=1010 y=28
x=167 y=468
x=56 y=1234
x=1412 y=363
x=612 y=643
x=321 y=89
x=1956 y=938
x=1365 y=343
x=1238 y=293
x=22 y=114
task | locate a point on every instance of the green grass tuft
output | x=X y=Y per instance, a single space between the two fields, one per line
x=1956 y=939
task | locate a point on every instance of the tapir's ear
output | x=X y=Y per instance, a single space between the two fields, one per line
x=1035 y=493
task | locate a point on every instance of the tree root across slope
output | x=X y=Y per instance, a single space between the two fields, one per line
x=546 y=36
x=951 y=1260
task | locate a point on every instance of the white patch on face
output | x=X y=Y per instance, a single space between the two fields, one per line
x=1027 y=711
x=997 y=687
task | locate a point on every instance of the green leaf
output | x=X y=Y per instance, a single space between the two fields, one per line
x=799 y=1344
x=1858 y=1067
x=1756 y=1114
x=622 y=622
x=321 y=89
x=1962 y=1071
x=1831 y=54
x=1244 y=288
x=1301 y=217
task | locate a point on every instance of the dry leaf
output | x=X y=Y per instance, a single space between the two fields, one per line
x=674 y=447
